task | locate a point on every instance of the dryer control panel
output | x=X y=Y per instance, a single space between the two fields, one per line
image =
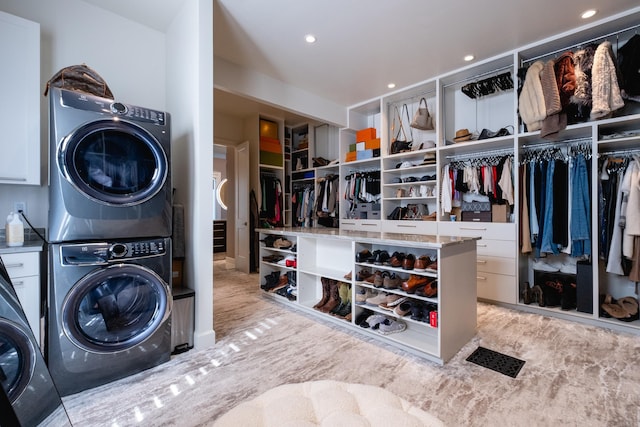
x=101 y=253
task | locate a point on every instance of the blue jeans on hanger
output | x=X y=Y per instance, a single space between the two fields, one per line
x=547 y=244
x=580 y=209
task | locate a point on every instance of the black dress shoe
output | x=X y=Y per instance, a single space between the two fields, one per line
x=363 y=256
x=381 y=258
x=373 y=257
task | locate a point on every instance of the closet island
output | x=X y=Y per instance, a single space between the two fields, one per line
x=415 y=292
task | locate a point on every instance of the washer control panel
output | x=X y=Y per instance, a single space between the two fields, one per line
x=83 y=101
x=98 y=253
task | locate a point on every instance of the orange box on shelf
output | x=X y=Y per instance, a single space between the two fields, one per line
x=365 y=134
x=372 y=144
x=351 y=156
x=270 y=146
x=267 y=139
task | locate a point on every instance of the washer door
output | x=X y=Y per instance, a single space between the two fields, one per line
x=115 y=308
x=17 y=359
x=114 y=162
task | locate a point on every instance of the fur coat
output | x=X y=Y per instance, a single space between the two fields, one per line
x=604 y=81
x=531 y=101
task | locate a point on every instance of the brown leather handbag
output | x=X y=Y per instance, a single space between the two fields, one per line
x=80 y=78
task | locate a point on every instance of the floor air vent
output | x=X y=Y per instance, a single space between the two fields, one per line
x=495 y=361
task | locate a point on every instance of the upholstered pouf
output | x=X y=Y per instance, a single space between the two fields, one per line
x=327 y=403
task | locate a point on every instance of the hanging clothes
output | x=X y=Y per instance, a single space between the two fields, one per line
x=580 y=209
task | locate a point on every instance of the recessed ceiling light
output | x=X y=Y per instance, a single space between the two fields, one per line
x=469 y=58
x=310 y=38
x=588 y=13
x=391 y=85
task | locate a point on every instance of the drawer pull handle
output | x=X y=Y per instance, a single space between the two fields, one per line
x=482 y=245
x=18 y=265
x=473 y=228
x=18 y=283
x=406 y=226
x=481 y=261
x=5 y=178
x=370 y=225
x=481 y=278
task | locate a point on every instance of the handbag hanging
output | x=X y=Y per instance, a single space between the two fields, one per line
x=399 y=145
x=422 y=119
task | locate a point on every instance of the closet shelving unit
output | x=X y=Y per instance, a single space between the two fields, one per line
x=501 y=267
x=365 y=115
x=331 y=254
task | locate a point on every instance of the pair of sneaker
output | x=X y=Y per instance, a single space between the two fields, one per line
x=385 y=325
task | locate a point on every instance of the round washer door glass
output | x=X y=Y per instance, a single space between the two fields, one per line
x=115 y=308
x=114 y=162
x=17 y=359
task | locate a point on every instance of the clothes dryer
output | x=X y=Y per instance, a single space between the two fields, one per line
x=24 y=376
x=110 y=171
x=109 y=313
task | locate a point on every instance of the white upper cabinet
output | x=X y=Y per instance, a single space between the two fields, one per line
x=20 y=106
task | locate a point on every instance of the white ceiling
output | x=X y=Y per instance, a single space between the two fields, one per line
x=365 y=44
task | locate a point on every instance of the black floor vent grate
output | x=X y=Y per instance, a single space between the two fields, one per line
x=495 y=361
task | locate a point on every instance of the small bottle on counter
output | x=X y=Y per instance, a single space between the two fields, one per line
x=14 y=230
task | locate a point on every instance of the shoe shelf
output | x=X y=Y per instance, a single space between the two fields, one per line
x=329 y=256
x=416 y=336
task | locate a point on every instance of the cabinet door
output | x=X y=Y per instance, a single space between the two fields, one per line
x=20 y=109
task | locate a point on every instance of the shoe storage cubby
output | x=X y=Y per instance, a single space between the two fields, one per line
x=383 y=290
x=278 y=261
x=441 y=295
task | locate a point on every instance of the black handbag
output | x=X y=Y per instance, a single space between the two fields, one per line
x=400 y=144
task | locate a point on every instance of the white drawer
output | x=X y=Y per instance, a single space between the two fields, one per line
x=360 y=225
x=497 y=265
x=499 y=248
x=497 y=287
x=486 y=230
x=28 y=292
x=411 y=227
x=22 y=264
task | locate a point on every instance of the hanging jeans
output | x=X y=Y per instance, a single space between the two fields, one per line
x=580 y=209
x=547 y=244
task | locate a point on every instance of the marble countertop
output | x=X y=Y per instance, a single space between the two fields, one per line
x=32 y=243
x=435 y=241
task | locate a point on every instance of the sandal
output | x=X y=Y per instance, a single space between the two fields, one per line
x=630 y=304
x=614 y=309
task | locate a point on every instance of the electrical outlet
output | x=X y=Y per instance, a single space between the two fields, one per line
x=20 y=206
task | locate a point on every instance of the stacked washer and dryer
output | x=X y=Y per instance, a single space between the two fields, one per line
x=109 y=234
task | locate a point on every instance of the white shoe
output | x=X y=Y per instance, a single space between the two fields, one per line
x=541 y=264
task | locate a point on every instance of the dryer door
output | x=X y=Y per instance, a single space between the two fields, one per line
x=115 y=308
x=114 y=162
x=17 y=359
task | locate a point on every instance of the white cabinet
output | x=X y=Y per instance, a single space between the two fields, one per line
x=328 y=259
x=24 y=271
x=20 y=106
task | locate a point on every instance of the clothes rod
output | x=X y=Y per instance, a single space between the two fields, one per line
x=620 y=152
x=554 y=144
x=490 y=153
x=555 y=52
x=478 y=76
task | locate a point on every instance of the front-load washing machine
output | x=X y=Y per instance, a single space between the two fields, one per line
x=109 y=310
x=110 y=171
x=24 y=376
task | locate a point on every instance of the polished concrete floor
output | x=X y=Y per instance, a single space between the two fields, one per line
x=574 y=375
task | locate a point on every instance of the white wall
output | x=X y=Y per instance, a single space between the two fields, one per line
x=190 y=93
x=171 y=72
x=262 y=88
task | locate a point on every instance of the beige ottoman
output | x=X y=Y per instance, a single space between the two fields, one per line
x=327 y=403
